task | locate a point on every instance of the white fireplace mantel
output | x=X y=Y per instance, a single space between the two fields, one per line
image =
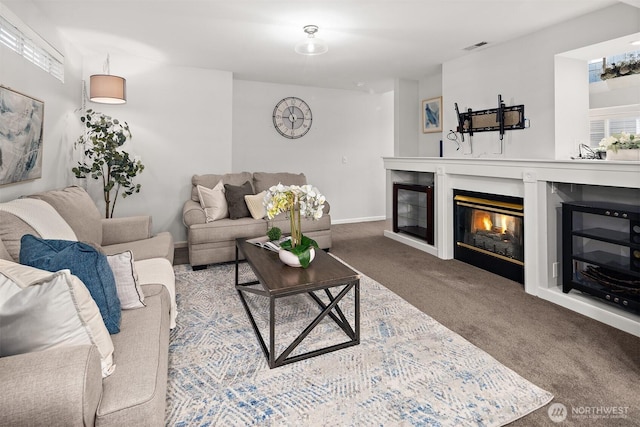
x=540 y=184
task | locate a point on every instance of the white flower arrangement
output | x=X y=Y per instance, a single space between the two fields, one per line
x=298 y=201
x=620 y=141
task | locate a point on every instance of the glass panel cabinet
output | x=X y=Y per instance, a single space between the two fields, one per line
x=413 y=210
x=601 y=251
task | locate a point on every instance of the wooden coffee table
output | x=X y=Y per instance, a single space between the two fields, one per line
x=276 y=280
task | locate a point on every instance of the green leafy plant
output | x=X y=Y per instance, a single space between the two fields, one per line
x=274 y=233
x=105 y=160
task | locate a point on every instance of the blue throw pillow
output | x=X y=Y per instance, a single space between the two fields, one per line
x=85 y=262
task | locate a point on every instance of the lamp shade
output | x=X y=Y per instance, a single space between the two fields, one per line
x=107 y=89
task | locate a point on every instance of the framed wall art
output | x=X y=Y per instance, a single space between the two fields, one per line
x=21 y=131
x=432 y=115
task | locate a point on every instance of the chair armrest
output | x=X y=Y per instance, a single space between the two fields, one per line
x=61 y=386
x=192 y=213
x=127 y=229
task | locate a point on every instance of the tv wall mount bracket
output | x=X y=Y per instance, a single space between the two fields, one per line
x=499 y=119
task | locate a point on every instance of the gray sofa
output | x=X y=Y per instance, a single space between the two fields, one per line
x=64 y=385
x=214 y=242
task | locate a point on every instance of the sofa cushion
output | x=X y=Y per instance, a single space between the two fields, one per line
x=31 y=216
x=235 y=199
x=210 y=180
x=264 y=180
x=85 y=262
x=213 y=201
x=124 y=272
x=136 y=392
x=255 y=203
x=4 y=254
x=40 y=310
x=226 y=230
x=79 y=211
x=12 y=229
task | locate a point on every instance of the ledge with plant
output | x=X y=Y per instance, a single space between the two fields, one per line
x=620 y=141
x=621 y=146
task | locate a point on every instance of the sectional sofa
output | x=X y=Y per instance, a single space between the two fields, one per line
x=88 y=376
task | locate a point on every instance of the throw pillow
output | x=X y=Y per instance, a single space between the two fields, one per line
x=40 y=310
x=213 y=201
x=85 y=262
x=255 y=204
x=124 y=272
x=235 y=199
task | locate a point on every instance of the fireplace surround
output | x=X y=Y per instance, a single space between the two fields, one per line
x=489 y=232
x=543 y=185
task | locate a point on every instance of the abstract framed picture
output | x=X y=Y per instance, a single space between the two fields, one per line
x=21 y=131
x=432 y=115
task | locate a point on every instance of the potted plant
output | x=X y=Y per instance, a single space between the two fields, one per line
x=105 y=160
x=297 y=201
x=621 y=146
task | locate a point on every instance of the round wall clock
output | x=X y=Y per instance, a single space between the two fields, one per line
x=292 y=117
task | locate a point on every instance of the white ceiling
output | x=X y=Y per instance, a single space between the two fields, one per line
x=371 y=42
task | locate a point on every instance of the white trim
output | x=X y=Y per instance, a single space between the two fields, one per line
x=354 y=220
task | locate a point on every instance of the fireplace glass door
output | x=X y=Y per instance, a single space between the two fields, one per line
x=489 y=233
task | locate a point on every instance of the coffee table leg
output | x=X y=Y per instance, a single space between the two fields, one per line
x=327 y=308
x=272 y=332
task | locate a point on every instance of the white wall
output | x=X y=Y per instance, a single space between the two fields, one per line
x=180 y=119
x=353 y=125
x=522 y=71
x=406 y=110
x=60 y=100
x=430 y=87
x=571 y=106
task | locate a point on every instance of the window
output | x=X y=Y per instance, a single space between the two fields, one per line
x=608 y=121
x=596 y=65
x=21 y=39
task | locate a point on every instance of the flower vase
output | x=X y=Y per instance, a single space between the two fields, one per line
x=632 y=154
x=291 y=259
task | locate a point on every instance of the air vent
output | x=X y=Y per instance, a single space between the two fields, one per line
x=475 y=46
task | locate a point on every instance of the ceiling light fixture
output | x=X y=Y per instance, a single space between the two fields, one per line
x=107 y=89
x=311 y=45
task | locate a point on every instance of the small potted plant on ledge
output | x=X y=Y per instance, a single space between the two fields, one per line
x=105 y=160
x=621 y=146
x=298 y=201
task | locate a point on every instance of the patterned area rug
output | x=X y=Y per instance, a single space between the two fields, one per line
x=407 y=370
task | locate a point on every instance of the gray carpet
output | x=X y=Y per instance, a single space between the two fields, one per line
x=586 y=365
x=407 y=370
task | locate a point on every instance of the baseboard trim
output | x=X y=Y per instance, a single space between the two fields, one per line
x=354 y=220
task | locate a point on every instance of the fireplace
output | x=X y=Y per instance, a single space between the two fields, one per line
x=489 y=232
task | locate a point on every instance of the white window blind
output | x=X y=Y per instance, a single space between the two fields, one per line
x=17 y=36
x=607 y=126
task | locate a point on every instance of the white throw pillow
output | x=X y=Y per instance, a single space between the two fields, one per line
x=256 y=205
x=213 y=201
x=124 y=271
x=40 y=310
